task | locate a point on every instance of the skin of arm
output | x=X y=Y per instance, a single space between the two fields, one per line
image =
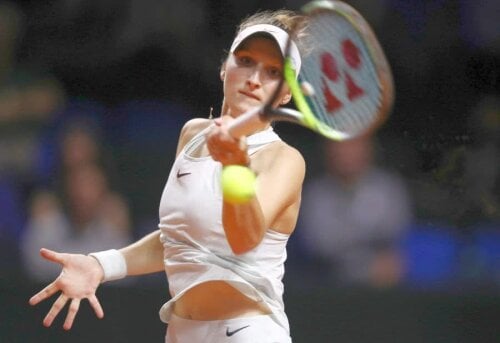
x=144 y=256
x=280 y=173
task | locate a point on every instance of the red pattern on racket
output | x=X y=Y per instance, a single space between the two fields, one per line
x=345 y=87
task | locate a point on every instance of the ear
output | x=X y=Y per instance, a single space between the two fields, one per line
x=222 y=73
x=286 y=98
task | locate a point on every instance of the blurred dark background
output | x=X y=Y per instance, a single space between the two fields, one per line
x=120 y=77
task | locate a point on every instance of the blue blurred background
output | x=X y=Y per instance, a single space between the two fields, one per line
x=399 y=234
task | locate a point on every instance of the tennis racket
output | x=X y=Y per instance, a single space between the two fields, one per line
x=345 y=86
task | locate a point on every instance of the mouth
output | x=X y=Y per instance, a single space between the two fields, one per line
x=249 y=94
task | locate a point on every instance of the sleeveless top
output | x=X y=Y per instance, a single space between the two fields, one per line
x=195 y=246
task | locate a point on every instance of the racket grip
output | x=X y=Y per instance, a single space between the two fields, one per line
x=247 y=123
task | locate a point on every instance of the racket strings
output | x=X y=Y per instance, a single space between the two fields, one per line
x=339 y=62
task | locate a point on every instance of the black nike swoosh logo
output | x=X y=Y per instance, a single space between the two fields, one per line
x=179 y=174
x=230 y=333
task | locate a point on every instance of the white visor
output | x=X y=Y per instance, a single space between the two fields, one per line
x=279 y=35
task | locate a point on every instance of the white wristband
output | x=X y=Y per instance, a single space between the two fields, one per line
x=113 y=264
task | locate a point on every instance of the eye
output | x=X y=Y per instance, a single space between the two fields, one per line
x=244 y=60
x=274 y=72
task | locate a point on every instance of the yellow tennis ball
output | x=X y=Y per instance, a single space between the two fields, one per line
x=238 y=184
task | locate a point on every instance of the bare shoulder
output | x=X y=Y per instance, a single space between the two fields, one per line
x=190 y=129
x=283 y=150
x=280 y=155
x=193 y=126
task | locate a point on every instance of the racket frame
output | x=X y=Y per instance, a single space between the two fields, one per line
x=384 y=73
x=258 y=117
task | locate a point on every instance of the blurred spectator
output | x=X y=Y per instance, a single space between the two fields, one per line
x=354 y=215
x=74 y=204
x=80 y=143
x=75 y=139
x=464 y=188
x=88 y=216
x=79 y=146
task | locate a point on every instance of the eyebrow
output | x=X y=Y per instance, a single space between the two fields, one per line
x=274 y=61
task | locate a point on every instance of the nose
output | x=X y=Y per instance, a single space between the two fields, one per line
x=254 y=80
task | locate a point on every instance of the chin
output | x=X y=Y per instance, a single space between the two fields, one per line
x=237 y=111
x=242 y=105
x=248 y=105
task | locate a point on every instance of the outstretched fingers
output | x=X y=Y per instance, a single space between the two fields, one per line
x=72 y=311
x=75 y=306
x=61 y=302
x=55 y=309
x=45 y=293
x=96 y=305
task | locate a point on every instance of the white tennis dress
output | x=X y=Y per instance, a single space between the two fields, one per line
x=195 y=246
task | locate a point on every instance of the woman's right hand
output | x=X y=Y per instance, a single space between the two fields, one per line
x=79 y=279
x=225 y=148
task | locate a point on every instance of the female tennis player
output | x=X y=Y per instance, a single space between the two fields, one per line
x=224 y=261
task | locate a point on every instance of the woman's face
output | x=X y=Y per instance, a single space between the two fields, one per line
x=251 y=75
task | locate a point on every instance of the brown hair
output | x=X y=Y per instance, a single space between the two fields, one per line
x=287 y=20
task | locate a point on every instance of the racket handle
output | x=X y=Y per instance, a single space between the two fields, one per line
x=247 y=123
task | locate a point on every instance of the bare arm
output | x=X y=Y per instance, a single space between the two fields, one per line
x=81 y=275
x=144 y=256
x=280 y=172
